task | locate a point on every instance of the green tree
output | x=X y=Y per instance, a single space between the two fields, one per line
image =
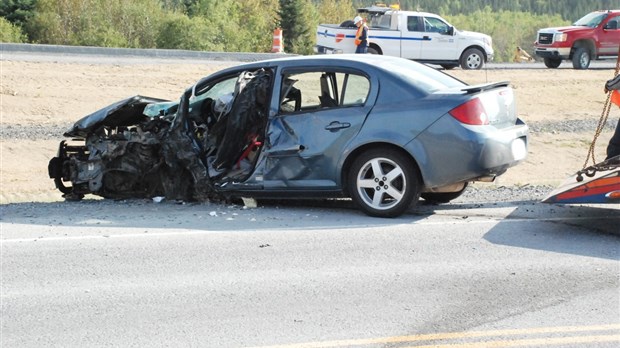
x=335 y=11
x=258 y=22
x=179 y=31
x=296 y=31
x=17 y=11
x=222 y=17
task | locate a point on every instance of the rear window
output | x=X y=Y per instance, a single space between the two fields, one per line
x=424 y=77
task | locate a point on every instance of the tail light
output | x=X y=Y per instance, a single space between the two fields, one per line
x=471 y=112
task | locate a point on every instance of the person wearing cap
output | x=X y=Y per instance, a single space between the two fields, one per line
x=361 y=36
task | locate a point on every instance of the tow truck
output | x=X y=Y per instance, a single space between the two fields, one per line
x=599 y=182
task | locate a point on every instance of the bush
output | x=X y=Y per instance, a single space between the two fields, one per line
x=178 y=31
x=96 y=23
x=10 y=32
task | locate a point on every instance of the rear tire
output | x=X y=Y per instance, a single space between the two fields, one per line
x=372 y=50
x=383 y=182
x=552 y=63
x=581 y=58
x=472 y=59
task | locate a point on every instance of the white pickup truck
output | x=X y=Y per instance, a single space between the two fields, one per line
x=420 y=36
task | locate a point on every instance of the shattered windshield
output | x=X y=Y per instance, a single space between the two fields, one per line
x=215 y=91
x=591 y=20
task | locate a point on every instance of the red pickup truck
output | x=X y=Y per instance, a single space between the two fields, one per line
x=594 y=36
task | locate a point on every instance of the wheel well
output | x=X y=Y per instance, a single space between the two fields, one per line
x=588 y=44
x=484 y=53
x=353 y=155
x=376 y=47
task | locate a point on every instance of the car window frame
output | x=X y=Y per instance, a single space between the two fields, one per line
x=287 y=71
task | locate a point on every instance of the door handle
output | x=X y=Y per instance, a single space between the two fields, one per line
x=335 y=126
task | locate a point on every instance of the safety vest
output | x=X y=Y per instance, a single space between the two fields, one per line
x=358 y=33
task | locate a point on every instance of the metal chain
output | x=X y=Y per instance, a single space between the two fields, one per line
x=603 y=120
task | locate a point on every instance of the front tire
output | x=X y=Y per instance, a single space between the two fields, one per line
x=581 y=58
x=552 y=63
x=472 y=59
x=383 y=182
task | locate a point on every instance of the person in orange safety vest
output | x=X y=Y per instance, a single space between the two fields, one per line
x=361 y=36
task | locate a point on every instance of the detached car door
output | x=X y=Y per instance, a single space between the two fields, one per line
x=319 y=112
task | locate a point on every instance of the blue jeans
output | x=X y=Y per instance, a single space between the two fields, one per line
x=361 y=49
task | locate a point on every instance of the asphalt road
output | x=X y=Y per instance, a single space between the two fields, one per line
x=135 y=273
x=475 y=273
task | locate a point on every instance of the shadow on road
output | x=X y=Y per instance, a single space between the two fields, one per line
x=588 y=230
x=592 y=231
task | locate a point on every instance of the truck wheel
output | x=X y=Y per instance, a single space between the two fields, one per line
x=472 y=59
x=552 y=62
x=383 y=182
x=372 y=50
x=581 y=58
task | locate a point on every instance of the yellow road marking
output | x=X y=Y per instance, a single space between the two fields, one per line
x=471 y=334
x=528 y=342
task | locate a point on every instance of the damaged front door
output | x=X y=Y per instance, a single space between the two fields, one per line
x=320 y=112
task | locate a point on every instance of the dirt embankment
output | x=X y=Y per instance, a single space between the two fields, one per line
x=562 y=107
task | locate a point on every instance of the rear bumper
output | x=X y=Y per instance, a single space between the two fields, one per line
x=472 y=153
x=504 y=149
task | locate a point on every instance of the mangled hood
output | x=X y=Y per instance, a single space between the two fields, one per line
x=126 y=112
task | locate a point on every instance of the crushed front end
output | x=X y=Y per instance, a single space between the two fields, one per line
x=144 y=147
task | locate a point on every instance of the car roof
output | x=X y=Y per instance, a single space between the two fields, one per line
x=352 y=60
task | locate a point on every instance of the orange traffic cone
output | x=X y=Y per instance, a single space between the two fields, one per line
x=277 y=41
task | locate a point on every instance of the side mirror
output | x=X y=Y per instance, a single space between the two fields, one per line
x=450 y=31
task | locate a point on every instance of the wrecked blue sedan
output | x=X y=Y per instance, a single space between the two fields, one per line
x=380 y=130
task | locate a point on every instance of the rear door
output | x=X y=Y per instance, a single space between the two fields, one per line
x=412 y=37
x=319 y=112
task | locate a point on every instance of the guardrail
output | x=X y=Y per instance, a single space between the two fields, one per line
x=137 y=52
